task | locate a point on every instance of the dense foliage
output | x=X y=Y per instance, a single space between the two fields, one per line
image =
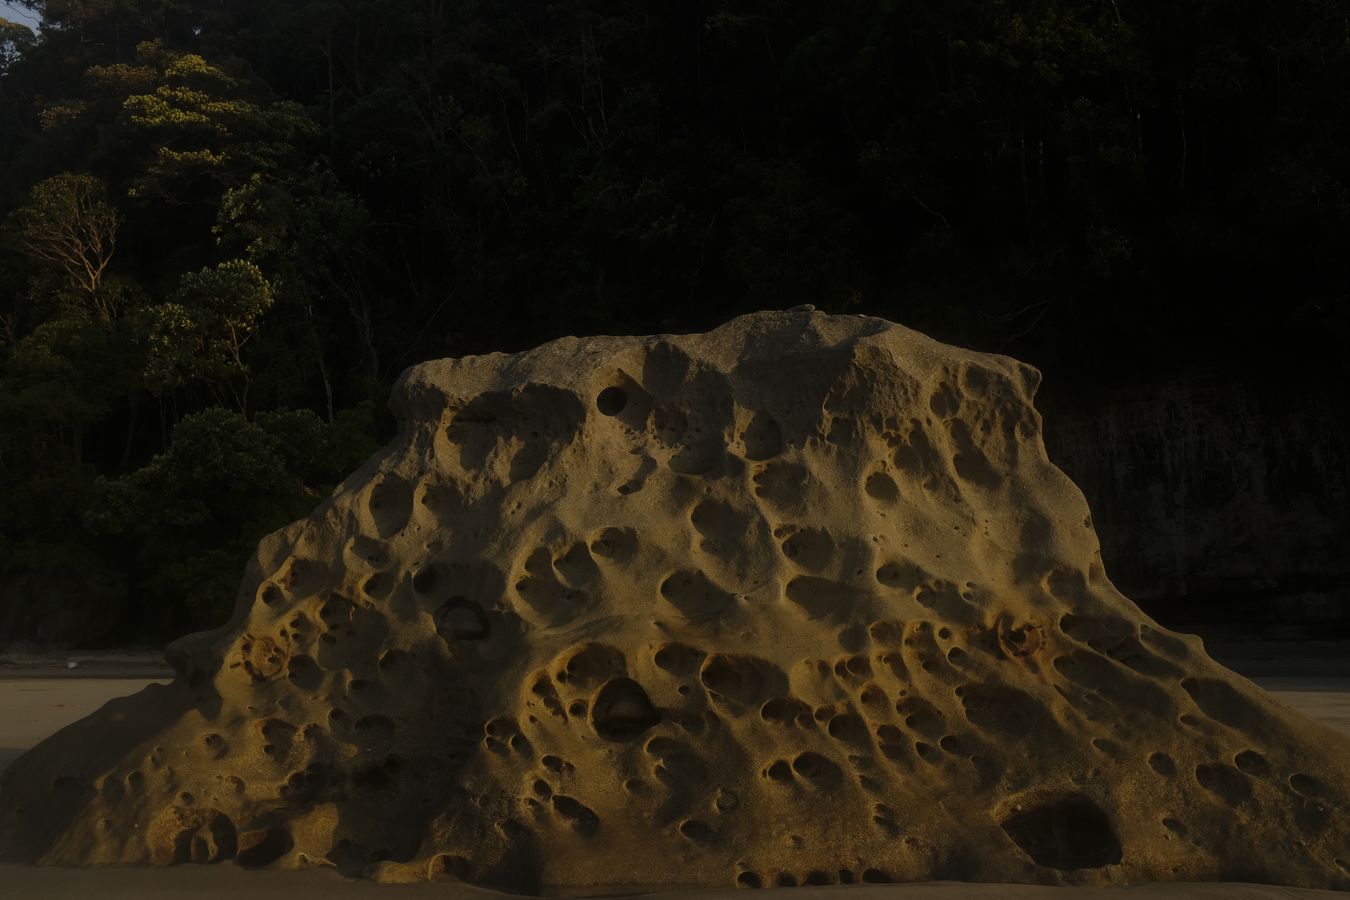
x=229 y=225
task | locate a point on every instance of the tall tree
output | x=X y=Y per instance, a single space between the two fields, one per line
x=68 y=227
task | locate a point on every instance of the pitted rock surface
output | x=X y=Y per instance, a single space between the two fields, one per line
x=797 y=601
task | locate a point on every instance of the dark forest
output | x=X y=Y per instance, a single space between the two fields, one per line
x=227 y=227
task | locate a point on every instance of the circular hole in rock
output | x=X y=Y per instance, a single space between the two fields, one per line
x=1249 y=762
x=611 y=401
x=696 y=831
x=461 y=620
x=1306 y=785
x=882 y=487
x=424 y=582
x=1162 y=764
x=1067 y=834
x=622 y=710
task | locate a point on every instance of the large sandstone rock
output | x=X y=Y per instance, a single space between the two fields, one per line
x=798 y=600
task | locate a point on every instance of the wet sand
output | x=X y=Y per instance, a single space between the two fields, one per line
x=35 y=702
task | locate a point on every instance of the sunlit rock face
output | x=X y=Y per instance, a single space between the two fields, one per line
x=799 y=600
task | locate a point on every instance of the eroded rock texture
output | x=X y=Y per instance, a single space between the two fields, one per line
x=800 y=600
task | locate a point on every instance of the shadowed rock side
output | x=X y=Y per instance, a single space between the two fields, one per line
x=797 y=601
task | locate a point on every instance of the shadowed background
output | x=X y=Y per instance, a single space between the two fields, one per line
x=228 y=226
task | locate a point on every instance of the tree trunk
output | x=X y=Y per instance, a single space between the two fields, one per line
x=131 y=431
x=327 y=385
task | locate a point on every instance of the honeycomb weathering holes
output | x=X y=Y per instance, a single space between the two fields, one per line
x=461 y=619
x=689 y=630
x=622 y=711
x=611 y=401
x=1066 y=834
x=424 y=582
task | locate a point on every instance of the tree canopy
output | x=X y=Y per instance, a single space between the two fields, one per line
x=224 y=219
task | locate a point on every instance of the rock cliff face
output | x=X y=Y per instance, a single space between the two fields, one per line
x=797 y=600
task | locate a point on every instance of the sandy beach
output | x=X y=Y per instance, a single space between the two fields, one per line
x=37 y=701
